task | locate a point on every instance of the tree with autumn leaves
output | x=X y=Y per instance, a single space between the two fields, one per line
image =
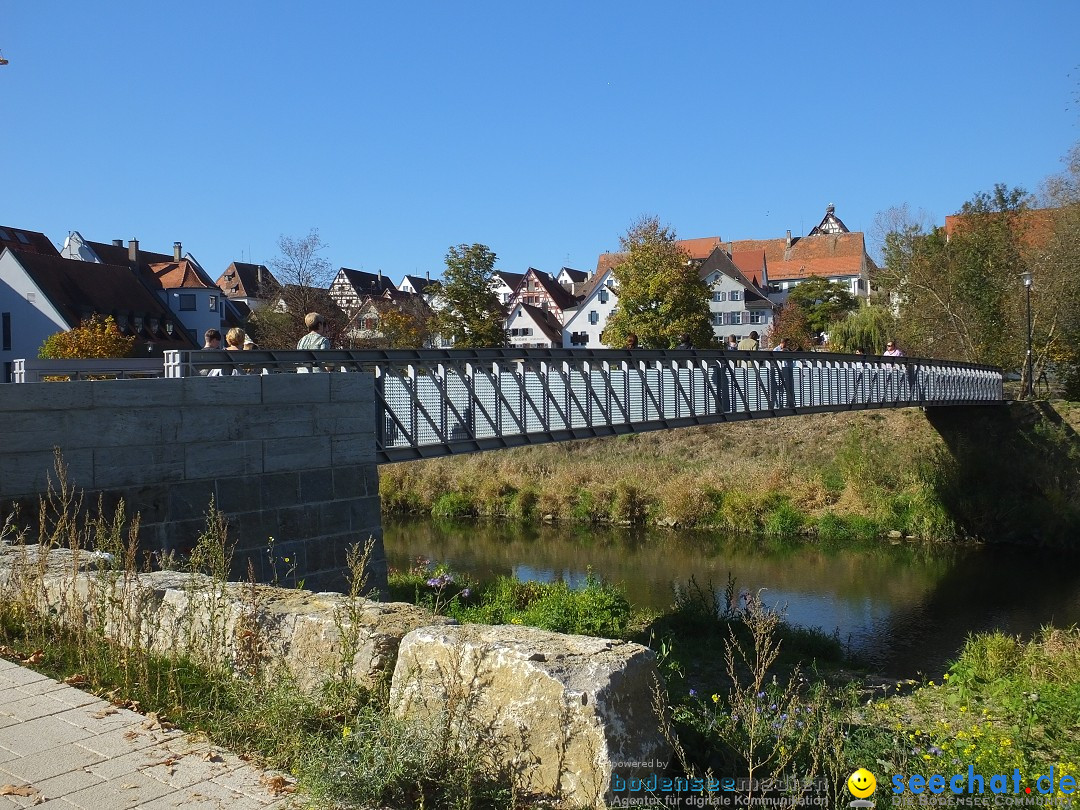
x=95 y=337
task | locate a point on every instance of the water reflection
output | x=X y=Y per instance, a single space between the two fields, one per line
x=906 y=608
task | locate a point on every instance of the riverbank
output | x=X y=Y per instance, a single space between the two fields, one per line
x=996 y=473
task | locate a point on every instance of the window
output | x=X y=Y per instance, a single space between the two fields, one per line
x=6 y=320
x=717 y=318
x=369 y=324
x=603 y=296
x=594 y=317
x=7 y=372
x=735 y=295
x=213 y=303
x=756 y=317
x=579 y=338
x=719 y=295
x=4 y=235
x=22 y=237
x=187 y=301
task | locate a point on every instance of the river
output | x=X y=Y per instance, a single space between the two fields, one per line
x=903 y=607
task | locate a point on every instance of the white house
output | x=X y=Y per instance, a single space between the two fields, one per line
x=503 y=285
x=252 y=285
x=530 y=327
x=584 y=324
x=737 y=304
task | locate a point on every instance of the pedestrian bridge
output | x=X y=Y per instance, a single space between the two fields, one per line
x=440 y=402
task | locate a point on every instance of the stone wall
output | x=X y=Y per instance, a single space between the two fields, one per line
x=284 y=456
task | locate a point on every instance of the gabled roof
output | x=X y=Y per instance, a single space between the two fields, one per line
x=26 y=241
x=1035 y=225
x=554 y=289
x=511 y=280
x=720 y=262
x=365 y=283
x=416 y=282
x=546 y=321
x=830 y=224
x=173 y=275
x=241 y=280
x=576 y=276
x=78 y=289
x=120 y=256
x=751 y=264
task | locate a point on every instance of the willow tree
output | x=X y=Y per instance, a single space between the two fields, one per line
x=662 y=297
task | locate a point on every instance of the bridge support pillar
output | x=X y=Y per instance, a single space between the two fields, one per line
x=289 y=459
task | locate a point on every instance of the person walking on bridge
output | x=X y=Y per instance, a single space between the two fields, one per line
x=892 y=350
x=314 y=339
x=749 y=343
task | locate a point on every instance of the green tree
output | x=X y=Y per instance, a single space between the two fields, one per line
x=94 y=337
x=662 y=297
x=868 y=328
x=471 y=315
x=791 y=322
x=1055 y=301
x=823 y=301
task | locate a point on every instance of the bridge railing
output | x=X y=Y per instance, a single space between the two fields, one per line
x=440 y=401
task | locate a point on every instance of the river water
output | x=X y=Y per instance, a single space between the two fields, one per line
x=904 y=607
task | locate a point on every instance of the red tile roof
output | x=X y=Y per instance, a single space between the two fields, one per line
x=1036 y=225
x=839 y=254
x=697 y=249
x=173 y=275
x=241 y=280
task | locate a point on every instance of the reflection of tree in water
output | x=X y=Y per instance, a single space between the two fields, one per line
x=906 y=607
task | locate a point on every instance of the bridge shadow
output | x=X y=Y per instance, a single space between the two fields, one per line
x=1010 y=472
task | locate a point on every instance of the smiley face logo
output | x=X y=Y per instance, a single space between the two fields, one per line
x=862 y=784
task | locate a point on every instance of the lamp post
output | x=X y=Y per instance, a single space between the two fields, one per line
x=1029 y=384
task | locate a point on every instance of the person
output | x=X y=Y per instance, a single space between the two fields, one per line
x=749 y=343
x=212 y=339
x=684 y=342
x=782 y=346
x=891 y=350
x=314 y=339
x=249 y=344
x=234 y=339
x=631 y=341
x=732 y=344
x=860 y=350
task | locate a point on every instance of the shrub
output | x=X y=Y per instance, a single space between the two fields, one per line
x=832 y=527
x=454 y=505
x=784 y=519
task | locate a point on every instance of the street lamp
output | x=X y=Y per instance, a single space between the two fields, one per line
x=1029 y=383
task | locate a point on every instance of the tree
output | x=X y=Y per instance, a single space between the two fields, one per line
x=868 y=328
x=94 y=337
x=471 y=315
x=303 y=277
x=823 y=301
x=791 y=322
x=662 y=297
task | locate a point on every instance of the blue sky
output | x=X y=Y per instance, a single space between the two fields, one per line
x=542 y=130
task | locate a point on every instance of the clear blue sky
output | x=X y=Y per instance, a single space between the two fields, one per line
x=542 y=130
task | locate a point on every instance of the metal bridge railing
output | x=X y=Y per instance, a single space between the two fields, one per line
x=441 y=401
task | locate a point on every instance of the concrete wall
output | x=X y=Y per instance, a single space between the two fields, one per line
x=288 y=456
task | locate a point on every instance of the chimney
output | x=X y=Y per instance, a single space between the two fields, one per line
x=428 y=274
x=380 y=279
x=730 y=248
x=789 y=237
x=133 y=250
x=118 y=242
x=177 y=250
x=258 y=274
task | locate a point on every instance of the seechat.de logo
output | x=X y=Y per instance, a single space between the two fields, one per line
x=862 y=785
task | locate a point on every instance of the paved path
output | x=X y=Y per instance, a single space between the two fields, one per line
x=64 y=748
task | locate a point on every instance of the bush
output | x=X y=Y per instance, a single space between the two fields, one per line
x=784 y=519
x=454 y=505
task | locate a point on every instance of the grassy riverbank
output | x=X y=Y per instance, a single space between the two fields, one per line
x=998 y=472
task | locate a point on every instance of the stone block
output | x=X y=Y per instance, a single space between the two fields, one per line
x=358 y=387
x=48 y=396
x=296 y=454
x=190 y=499
x=222 y=459
x=162 y=392
x=139 y=464
x=220 y=391
x=365 y=514
x=279 y=389
x=238 y=493
x=29 y=473
x=348 y=482
x=371 y=479
x=316 y=485
x=352 y=448
x=280 y=489
x=565 y=713
x=296 y=521
x=220 y=424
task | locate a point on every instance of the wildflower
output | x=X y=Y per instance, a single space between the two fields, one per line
x=715 y=698
x=693 y=692
x=466 y=592
x=945 y=677
x=346 y=731
x=760 y=695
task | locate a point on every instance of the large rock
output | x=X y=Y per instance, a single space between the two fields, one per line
x=564 y=713
x=251 y=627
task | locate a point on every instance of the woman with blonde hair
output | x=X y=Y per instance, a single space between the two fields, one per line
x=234 y=339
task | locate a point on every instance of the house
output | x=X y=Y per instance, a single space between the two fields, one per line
x=573 y=281
x=539 y=289
x=829 y=250
x=251 y=285
x=530 y=327
x=503 y=285
x=415 y=285
x=365 y=326
x=26 y=241
x=177 y=280
x=738 y=304
x=41 y=294
x=350 y=288
x=583 y=325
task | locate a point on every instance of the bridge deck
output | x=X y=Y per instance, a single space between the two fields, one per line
x=439 y=402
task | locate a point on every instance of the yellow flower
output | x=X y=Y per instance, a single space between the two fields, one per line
x=945 y=677
x=346 y=731
x=715 y=698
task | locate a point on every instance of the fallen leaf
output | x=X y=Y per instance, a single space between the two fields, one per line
x=18 y=790
x=36 y=657
x=131 y=735
x=277 y=784
x=76 y=680
x=210 y=756
x=7 y=652
x=101 y=715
